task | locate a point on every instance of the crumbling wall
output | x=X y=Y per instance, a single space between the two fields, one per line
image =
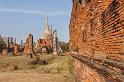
x=28 y=47
x=96 y=26
x=97 y=29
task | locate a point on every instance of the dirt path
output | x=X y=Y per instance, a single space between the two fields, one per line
x=32 y=77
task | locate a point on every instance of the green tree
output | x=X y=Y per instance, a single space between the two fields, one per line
x=64 y=46
x=2 y=44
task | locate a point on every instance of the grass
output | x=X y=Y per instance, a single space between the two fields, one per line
x=70 y=68
x=56 y=64
x=61 y=65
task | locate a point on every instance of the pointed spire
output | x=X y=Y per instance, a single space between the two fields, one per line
x=51 y=29
x=47 y=30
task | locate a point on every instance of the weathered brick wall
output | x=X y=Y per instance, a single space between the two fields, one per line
x=97 y=26
x=97 y=31
x=28 y=47
x=112 y=31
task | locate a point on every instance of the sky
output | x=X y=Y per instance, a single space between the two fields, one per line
x=18 y=18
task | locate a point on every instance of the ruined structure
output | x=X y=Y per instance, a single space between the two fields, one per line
x=44 y=44
x=96 y=40
x=10 y=41
x=28 y=46
x=55 y=42
x=48 y=42
x=9 y=46
x=16 y=50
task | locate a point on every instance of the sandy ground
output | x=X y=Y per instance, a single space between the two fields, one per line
x=32 y=77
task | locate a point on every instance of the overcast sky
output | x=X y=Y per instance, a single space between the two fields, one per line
x=18 y=18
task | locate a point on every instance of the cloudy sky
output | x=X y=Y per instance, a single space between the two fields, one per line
x=18 y=18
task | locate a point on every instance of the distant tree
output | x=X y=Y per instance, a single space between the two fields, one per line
x=64 y=46
x=2 y=44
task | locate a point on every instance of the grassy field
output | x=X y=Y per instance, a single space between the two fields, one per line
x=42 y=68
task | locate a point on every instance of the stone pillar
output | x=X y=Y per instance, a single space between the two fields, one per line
x=55 y=42
x=11 y=39
x=11 y=42
x=8 y=42
x=30 y=43
x=21 y=42
x=14 y=41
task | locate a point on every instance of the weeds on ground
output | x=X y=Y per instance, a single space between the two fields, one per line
x=70 y=68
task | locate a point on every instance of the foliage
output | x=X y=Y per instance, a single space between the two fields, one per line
x=2 y=44
x=64 y=46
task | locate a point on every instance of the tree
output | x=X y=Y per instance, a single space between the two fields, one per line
x=64 y=46
x=2 y=44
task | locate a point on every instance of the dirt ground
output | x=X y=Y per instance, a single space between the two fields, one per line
x=56 y=69
x=32 y=77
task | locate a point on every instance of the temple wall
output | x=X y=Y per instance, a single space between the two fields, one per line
x=97 y=35
x=97 y=26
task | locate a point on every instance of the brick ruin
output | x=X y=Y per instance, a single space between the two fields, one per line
x=43 y=46
x=48 y=42
x=10 y=46
x=97 y=40
x=28 y=46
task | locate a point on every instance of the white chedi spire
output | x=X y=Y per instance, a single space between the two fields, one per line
x=47 y=30
x=51 y=29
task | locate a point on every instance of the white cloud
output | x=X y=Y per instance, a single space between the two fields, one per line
x=43 y=13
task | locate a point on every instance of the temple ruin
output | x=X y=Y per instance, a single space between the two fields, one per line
x=10 y=46
x=28 y=46
x=49 y=41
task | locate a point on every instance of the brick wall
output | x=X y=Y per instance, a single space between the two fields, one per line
x=97 y=33
x=97 y=26
x=28 y=47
